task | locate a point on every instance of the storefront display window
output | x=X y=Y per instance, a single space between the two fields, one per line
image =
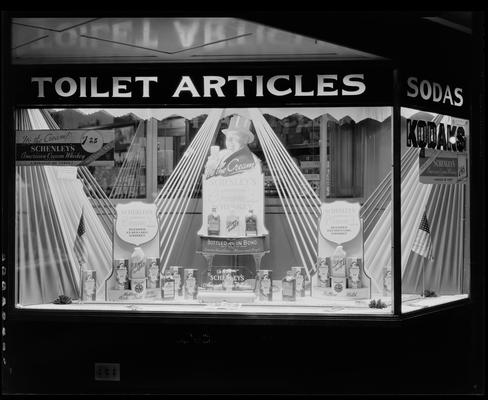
x=316 y=193
x=281 y=210
x=434 y=209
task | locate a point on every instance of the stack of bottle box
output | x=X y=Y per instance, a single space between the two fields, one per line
x=339 y=273
x=137 y=277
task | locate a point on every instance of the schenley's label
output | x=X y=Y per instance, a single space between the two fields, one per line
x=65 y=147
x=428 y=134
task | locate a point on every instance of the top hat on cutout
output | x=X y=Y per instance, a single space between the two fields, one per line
x=241 y=126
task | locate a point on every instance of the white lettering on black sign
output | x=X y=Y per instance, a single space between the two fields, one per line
x=433 y=91
x=278 y=85
x=208 y=86
x=69 y=87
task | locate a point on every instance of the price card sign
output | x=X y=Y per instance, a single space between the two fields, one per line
x=136 y=222
x=340 y=221
x=65 y=147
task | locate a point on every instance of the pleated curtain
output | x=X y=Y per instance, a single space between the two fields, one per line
x=49 y=203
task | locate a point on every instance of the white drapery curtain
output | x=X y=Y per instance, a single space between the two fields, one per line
x=49 y=202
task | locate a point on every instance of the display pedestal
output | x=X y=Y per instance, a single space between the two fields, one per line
x=136 y=225
x=340 y=223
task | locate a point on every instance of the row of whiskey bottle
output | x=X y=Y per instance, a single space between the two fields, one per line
x=292 y=285
x=138 y=271
x=340 y=272
x=233 y=226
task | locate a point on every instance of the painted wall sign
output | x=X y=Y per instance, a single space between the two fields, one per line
x=188 y=84
x=437 y=166
x=65 y=147
x=136 y=222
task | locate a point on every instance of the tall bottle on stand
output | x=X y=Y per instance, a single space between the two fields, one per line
x=137 y=264
x=232 y=224
x=338 y=261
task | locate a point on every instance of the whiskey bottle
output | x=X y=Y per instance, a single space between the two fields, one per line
x=354 y=277
x=300 y=281
x=289 y=287
x=152 y=273
x=323 y=271
x=89 y=285
x=251 y=224
x=121 y=275
x=232 y=227
x=265 y=284
x=177 y=273
x=213 y=223
x=168 y=289
x=228 y=279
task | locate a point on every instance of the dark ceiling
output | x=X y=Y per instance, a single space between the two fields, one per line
x=435 y=38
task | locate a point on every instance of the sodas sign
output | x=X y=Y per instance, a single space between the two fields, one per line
x=435 y=92
x=340 y=221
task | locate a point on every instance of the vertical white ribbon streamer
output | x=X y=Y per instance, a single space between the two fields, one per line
x=173 y=200
x=282 y=168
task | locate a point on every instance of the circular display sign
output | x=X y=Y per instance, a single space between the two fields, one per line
x=340 y=221
x=136 y=222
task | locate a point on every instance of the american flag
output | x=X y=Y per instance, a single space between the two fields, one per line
x=80 y=244
x=423 y=243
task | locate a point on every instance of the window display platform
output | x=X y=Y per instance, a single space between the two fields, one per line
x=418 y=302
x=307 y=306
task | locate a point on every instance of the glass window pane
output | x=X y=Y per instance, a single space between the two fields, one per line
x=174 y=135
x=126 y=179
x=283 y=210
x=435 y=209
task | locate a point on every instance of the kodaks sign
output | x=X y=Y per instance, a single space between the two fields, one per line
x=440 y=136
